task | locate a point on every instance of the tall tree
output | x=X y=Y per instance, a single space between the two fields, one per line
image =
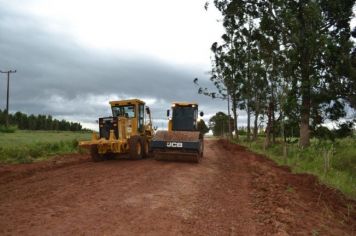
x=317 y=40
x=219 y=124
x=305 y=49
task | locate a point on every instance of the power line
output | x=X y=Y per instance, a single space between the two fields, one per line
x=7 y=94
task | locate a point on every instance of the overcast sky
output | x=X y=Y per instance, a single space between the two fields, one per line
x=72 y=57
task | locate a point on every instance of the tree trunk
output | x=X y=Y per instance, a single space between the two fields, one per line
x=273 y=124
x=255 y=128
x=248 y=120
x=229 y=116
x=271 y=111
x=234 y=111
x=304 y=123
x=269 y=126
x=305 y=83
x=249 y=80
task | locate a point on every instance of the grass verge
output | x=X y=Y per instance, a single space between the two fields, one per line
x=334 y=163
x=30 y=146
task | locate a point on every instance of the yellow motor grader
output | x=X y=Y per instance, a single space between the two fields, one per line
x=182 y=141
x=128 y=131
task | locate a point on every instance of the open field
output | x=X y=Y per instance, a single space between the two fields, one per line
x=231 y=192
x=23 y=137
x=333 y=162
x=29 y=146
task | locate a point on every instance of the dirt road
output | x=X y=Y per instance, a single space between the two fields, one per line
x=231 y=192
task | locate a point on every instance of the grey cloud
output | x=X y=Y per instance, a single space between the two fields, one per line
x=59 y=77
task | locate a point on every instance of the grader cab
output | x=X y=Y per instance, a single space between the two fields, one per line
x=128 y=131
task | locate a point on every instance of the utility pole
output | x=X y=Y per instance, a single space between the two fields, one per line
x=7 y=94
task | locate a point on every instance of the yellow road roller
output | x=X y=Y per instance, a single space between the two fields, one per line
x=182 y=141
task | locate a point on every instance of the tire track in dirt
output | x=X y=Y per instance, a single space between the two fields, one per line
x=231 y=192
x=224 y=207
x=107 y=197
x=9 y=173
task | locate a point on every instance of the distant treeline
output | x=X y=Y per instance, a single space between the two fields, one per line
x=38 y=122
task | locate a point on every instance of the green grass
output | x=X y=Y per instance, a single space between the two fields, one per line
x=30 y=146
x=333 y=162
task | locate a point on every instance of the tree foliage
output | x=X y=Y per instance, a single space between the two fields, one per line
x=39 y=122
x=202 y=127
x=288 y=58
x=219 y=124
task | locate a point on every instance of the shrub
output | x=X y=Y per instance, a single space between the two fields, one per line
x=36 y=151
x=18 y=155
x=345 y=129
x=324 y=133
x=9 y=129
x=75 y=143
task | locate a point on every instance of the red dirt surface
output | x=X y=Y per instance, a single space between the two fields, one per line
x=231 y=192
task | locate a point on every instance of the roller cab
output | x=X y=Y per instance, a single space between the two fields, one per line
x=182 y=141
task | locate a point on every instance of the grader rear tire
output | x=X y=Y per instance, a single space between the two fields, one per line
x=136 y=150
x=145 y=147
x=95 y=155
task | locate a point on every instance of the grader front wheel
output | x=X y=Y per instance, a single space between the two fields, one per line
x=146 y=148
x=136 y=150
x=95 y=155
